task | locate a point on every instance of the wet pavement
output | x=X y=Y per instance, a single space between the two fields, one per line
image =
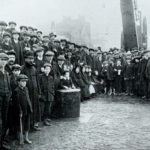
x=105 y=123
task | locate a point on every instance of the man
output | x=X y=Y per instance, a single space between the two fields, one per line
x=12 y=27
x=147 y=73
x=12 y=57
x=25 y=44
x=23 y=29
x=6 y=44
x=17 y=48
x=5 y=94
x=34 y=89
x=3 y=26
x=141 y=73
x=30 y=30
x=39 y=52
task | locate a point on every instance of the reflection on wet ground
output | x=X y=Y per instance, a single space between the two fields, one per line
x=105 y=123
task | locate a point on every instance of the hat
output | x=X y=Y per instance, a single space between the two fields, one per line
x=46 y=36
x=4 y=56
x=26 y=34
x=35 y=29
x=49 y=53
x=51 y=35
x=16 y=67
x=39 y=49
x=29 y=54
x=30 y=27
x=11 y=52
x=15 y=32
x=56 y=41
x=34 y=35
x=12 y=22
x=47 y=65
x=22 y=77
x=63 y=40
x=39 y=32
x=23 y=27
x=61 y=57
x=3 y=23
x=6 y=34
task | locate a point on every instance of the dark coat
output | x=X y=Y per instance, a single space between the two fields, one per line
x=19 y=52
x=21 y=101
x=34 y=90
x=47 y=87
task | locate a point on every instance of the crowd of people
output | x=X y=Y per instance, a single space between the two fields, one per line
x=34 y=66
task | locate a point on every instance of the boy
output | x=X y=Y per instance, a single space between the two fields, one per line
x=47 y=92
x=66 y=81
x=118 y=76
x=23 y=107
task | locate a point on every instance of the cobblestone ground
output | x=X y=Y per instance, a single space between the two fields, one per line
x=106 y=123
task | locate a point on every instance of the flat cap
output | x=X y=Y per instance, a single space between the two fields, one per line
x=61 y=57
x=63 y=40
x=39 y=49
x=51 y=35
x=30 y=27
x=46 y=36
x=49 y=53
x=3 y=56
x=47 y=65
x=12 y=22
x=22 y=77
x=23 y=27
x=26 y=34
x=16 y=32
x=39 y=32
x=3 y=23
x=6 y=34
x=11 y=52
x=29 y=54
x=16 y=67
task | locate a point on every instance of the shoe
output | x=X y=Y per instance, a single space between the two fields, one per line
x=5 y=146
x=46 y=123
x=35 y=128
x=27 y=141
x=49 y=120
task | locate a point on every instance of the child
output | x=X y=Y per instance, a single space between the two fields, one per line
x=66 y=81
x=23 y=106
x=47 y=92
x=118 y=77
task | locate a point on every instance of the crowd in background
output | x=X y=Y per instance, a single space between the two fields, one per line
x=34 y=66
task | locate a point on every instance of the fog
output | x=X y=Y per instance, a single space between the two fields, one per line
x=103 y=15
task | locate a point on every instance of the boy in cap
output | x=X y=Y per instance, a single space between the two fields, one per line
x=5 y=94
x=23 y=107
x=47 y=92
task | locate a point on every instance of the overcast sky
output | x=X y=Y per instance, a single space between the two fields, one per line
x=104 y=15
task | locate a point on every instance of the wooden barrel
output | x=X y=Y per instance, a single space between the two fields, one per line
x=67 y=103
